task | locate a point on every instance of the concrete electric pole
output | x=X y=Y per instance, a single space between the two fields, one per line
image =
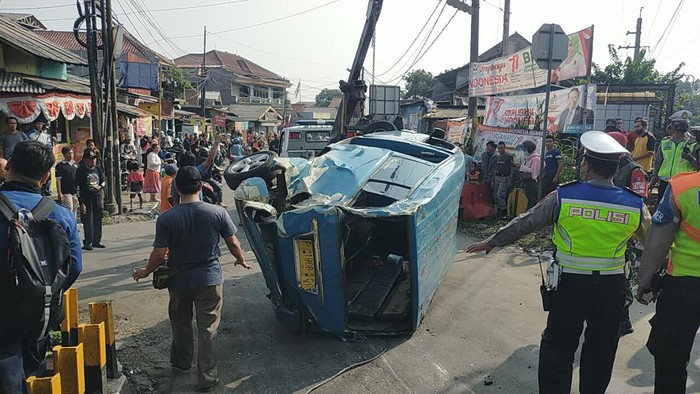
x=637 y=36
x=506 y=27
x=472 y=10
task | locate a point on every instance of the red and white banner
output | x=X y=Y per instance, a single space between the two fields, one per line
x=27 y=108
x=518 y=71
x=569 y=109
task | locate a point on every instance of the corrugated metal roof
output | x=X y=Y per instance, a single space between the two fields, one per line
x=448 y=113
x=249 y=112
x=13 y=83
x=132 y=110
x=71 y=85
x=16 y=35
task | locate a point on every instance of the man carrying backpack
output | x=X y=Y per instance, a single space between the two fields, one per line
x=55 y=243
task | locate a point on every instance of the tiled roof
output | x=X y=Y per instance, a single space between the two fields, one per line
x=16 y=35
x=66 y=40
x=13 y=83
x=235 y=63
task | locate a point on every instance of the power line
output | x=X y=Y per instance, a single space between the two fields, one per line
x=668 y=26
x=39 y=8
x=159 y=29
x=165 y=9
x=429 y=46
x=129 y=4
x=131 y=23
x=418 y=50
x=412 y=42
x=259 y=24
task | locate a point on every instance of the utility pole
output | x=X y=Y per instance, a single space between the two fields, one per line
x=111 y=37
x=109 y=126
x=637 y=36
x=95 y=83
x=506 y=27
x=472 y=10
x=202 y=99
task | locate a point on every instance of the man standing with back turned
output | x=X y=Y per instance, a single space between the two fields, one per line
x=190 y=234
x=593 y=221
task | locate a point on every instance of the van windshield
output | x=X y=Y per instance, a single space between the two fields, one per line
x=317 y=136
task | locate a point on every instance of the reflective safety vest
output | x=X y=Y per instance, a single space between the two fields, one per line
x=673 y=163
x=685 y=251
x=593 y=226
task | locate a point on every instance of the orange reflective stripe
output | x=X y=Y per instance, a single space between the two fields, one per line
x=691 y=231
x=681 y=183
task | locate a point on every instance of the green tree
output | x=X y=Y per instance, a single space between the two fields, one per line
x=324 y=97
x=633 y=71
x=419 y=83
x=688 y=97
x=175 y=84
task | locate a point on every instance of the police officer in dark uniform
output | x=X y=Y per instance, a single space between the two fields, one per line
x=593 y=220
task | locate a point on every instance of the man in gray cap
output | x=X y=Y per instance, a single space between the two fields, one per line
x=593 y=221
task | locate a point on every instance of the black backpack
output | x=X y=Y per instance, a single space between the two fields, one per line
x=34 y=267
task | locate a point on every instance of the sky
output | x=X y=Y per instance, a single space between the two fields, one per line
x=313 y=42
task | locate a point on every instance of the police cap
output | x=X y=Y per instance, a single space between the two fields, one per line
x=602 y=146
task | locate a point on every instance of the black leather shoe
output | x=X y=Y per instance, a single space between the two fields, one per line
x=87 y=247
x=100 y=246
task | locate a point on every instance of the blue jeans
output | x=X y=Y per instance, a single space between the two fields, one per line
x=22 y=354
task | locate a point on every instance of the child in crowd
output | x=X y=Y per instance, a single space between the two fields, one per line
x=135 y=180
x=474 y=175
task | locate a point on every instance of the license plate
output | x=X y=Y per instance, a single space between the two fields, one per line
x=307 y=264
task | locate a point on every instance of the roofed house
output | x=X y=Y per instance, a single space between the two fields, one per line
x=255 y=117
x=238 y=79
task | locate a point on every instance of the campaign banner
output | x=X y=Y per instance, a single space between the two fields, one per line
x=513 y=138
x=518 y=71
x=567 y=112
x=458 y=130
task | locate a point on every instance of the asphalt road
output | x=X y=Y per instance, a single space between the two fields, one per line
x=483 y=326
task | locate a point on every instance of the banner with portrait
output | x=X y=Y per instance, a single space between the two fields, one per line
x=518 y=71
x=569 y=109
x=513 y=138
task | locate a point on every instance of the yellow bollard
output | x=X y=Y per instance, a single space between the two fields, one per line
x=69 y=362
x=47 y=385
x=92 y=337
x=69 y=325
x=101 y=312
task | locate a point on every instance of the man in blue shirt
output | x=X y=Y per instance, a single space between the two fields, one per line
x=552 y=166
x=22 y=353
x=190 y=233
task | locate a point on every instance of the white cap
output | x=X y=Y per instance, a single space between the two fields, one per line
x=601 y=143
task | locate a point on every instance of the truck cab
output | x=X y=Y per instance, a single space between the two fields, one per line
x=305 y=140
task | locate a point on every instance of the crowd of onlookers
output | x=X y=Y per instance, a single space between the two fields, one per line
x=501 y=170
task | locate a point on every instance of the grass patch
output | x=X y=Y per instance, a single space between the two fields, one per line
x=536 y=242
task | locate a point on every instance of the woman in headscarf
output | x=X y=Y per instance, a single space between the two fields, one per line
x=151 y=184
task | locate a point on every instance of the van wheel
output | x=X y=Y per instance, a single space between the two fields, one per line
x=258 y=164
x=379 y=126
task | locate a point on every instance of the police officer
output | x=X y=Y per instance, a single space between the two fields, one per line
x=675 y=227
x=593 y=221
x=692 y=154
x=669 y=159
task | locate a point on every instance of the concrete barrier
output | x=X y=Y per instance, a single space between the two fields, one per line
x=101 y=312
x=69 y=325
x=70 y=364
x=48 y=385
x=92 y=337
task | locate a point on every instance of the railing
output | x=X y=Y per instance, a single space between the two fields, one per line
x=259 y=100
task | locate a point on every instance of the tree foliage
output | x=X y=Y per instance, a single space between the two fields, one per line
x=175 y=84
x=324 y=97
x=419 y=83
x=633 y=71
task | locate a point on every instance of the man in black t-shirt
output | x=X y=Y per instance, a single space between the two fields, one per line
x=90 y=180
x=65 y=181
x=503 y=176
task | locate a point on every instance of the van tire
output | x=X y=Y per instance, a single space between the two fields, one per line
x=258 y=164
x=379 y=126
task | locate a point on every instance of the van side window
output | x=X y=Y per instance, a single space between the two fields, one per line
x=317 y=136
